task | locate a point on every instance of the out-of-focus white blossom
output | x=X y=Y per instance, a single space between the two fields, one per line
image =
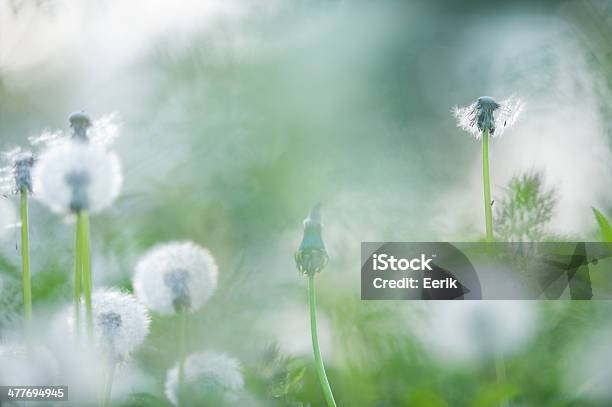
x=208 y=376
x=103 y=131
x=8 y=216
x=469 y=331
x=17 y=171
x=588 y=373
x=176 y=276
x=77 y=176
x=22 y=366
x=121 y=323
x=486 y=113
x=289 y=328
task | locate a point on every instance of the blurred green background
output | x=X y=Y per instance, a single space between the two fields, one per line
x=236 y=117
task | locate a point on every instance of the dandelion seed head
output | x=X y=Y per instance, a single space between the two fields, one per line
x=175 y=276
x=207 y=375
x=311 y=257
x=105 y=130
x=34 y=366
x=17 y=172
x=102 y=131
x=486 y=113
x=121 y=322
x=77 y=176
x=48 y=139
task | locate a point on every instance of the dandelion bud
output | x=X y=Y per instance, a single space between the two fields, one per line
x=487 y=114
x=76 y=176
x=209 y=377
x=311 y=257
x=175 y=277
x=79 y=122
x=121 y=323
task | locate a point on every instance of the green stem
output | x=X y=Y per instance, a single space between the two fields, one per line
x=500 y=372
x=85 y=258
x=108 y=384
x=487 y=185
x=315 y=344
x=182 y=332
x=78 y=271
x=25 y=262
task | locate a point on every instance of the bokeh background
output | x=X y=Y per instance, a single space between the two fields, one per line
x=235 y=117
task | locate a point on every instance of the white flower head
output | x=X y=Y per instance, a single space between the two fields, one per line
x=34 y=366
x=102 y=131
x=467 y=331
x=175 y=277
x=16 y=175
x=486 y=113
x=208 y=376
x=77 y=176
x=121 y=323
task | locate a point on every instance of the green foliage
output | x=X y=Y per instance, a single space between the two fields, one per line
x=525 y=210
x=604 y=226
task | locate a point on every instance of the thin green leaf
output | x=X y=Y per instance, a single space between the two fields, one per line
x=604 y=226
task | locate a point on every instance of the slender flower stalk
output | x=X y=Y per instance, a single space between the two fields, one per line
x=78 y=271
x=484 y=119
x=108 y=384
x=22 y=168
x=182 y=333
x=310 y=258
x=83 y=232
x=79 y=178
x=25 y=262
x=487 y=185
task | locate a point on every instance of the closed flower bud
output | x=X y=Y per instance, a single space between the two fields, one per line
x=175 y=277
x=311 y=257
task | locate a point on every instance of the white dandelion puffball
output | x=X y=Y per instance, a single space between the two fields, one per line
x=207 y=375
x=121 y=323
x=35 y=366
x=469 y=331
x=177 y=276
x=8 y=216
x=77 y=176
x=486 y=113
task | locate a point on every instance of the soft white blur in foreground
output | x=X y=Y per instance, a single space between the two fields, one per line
x=472 y=331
